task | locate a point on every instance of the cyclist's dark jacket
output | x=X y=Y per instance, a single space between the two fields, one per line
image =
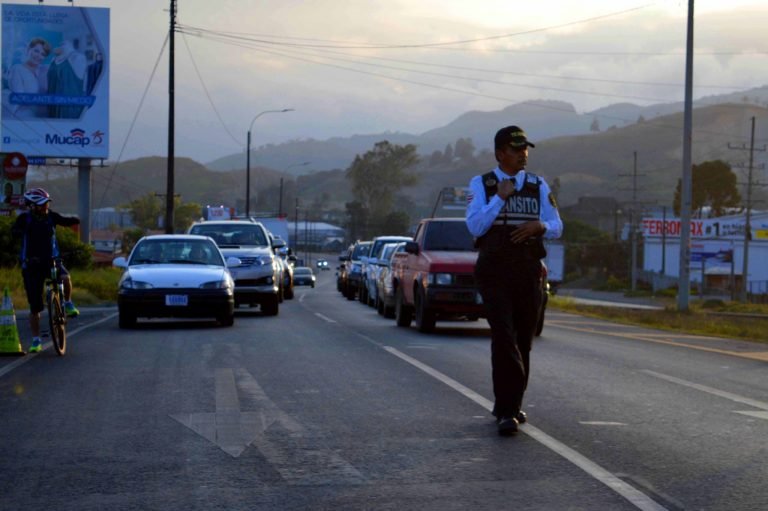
x=38 y=236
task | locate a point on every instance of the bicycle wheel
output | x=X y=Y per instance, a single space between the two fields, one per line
x=57 y=321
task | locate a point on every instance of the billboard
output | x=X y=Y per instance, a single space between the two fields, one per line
x=55 y=82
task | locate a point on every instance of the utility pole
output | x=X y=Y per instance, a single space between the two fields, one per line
x=686 y=188
x=633 y=220
x=171 y=127
x=747 y=219
x=296 y=227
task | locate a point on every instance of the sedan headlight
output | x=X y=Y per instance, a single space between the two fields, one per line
x=264 y=260
x=223 y=283
x=129 y=283
x=440 y=279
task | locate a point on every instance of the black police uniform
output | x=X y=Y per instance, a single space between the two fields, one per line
x=508 y=276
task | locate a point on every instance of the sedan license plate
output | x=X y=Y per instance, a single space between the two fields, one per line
x=176 y=300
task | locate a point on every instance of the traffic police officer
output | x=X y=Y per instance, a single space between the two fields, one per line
x=510 y=211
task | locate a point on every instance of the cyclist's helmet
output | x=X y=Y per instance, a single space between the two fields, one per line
x=36 y=196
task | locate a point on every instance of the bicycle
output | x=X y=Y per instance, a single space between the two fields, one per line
x=54 y=299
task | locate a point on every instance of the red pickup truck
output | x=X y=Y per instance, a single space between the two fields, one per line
x=434 y=278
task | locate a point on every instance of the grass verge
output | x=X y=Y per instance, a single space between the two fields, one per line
x=712 y=318
x=90 y=287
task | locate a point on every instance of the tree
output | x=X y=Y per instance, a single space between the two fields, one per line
x=714 y=185
x=358 y=220
x=185 y=214
x=448 y=154
x=436 y=159
x=464 y=149
x=147 y=211
x=380 y=173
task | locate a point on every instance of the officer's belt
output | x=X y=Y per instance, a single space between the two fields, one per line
x=497 y=241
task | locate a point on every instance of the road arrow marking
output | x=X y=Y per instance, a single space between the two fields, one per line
x=228 y=428
x=282 y=441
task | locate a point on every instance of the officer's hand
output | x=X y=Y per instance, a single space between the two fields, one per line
x=527 y=230
x=506 y=188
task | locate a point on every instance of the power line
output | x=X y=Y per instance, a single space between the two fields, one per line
x=207 y=94
x=135 y=117
x=313 y=60
x=446 y=43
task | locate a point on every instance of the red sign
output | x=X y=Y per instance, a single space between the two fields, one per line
x=15 y=166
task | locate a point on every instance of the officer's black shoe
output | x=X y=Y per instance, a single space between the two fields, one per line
x=507 y=426
x=522 y=417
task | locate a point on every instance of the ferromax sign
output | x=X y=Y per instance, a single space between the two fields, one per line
x=76 y=137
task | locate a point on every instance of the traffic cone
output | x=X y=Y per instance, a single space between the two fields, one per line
x=10 y=344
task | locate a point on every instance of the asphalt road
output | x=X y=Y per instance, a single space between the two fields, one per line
x=330 y=406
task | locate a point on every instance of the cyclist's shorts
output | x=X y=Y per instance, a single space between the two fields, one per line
x=34 y=279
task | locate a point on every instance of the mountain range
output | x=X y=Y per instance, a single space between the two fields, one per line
x=542 y=120
x=637 y=158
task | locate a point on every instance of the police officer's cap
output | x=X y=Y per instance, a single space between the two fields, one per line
x=511 y=136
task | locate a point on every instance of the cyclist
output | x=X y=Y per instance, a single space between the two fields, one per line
x=37 y=230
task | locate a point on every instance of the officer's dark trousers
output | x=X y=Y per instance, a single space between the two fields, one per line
x=511 y=292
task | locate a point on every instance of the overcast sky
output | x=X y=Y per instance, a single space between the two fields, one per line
x=362 y=66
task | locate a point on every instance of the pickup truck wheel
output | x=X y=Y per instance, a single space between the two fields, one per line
x=425 y=318
x=403 y=313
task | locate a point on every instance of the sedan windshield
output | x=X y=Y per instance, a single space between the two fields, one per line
x=169 y=251
x=232 y=234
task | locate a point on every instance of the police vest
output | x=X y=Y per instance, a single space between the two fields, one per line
x=522 y=206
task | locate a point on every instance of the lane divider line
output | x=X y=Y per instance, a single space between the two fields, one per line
x=709 y=390
x=325 y=318
x=639 y=499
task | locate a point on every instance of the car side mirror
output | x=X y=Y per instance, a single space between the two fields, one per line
x=412 y=247
x=120 y=262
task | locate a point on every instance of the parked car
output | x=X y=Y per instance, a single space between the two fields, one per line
x=286 y=268
x=354 y=270
x=175 y=275
x=341 y=269
x=385 y=292
x=257 y=278
x=303 y=276
x=370 y=266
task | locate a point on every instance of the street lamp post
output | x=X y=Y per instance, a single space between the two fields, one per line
x=248 y=157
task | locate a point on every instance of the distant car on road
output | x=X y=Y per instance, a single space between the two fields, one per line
x=322 y=264
x=303 y=276
x=175 y=276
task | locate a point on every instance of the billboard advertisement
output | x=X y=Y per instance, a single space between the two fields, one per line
x=55 y=81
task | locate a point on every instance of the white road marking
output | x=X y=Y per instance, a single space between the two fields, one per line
x=632 y=494
x=709 y=390
x=290 y=451
x=23 y=360
x=759 y=415
x=325 y=318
